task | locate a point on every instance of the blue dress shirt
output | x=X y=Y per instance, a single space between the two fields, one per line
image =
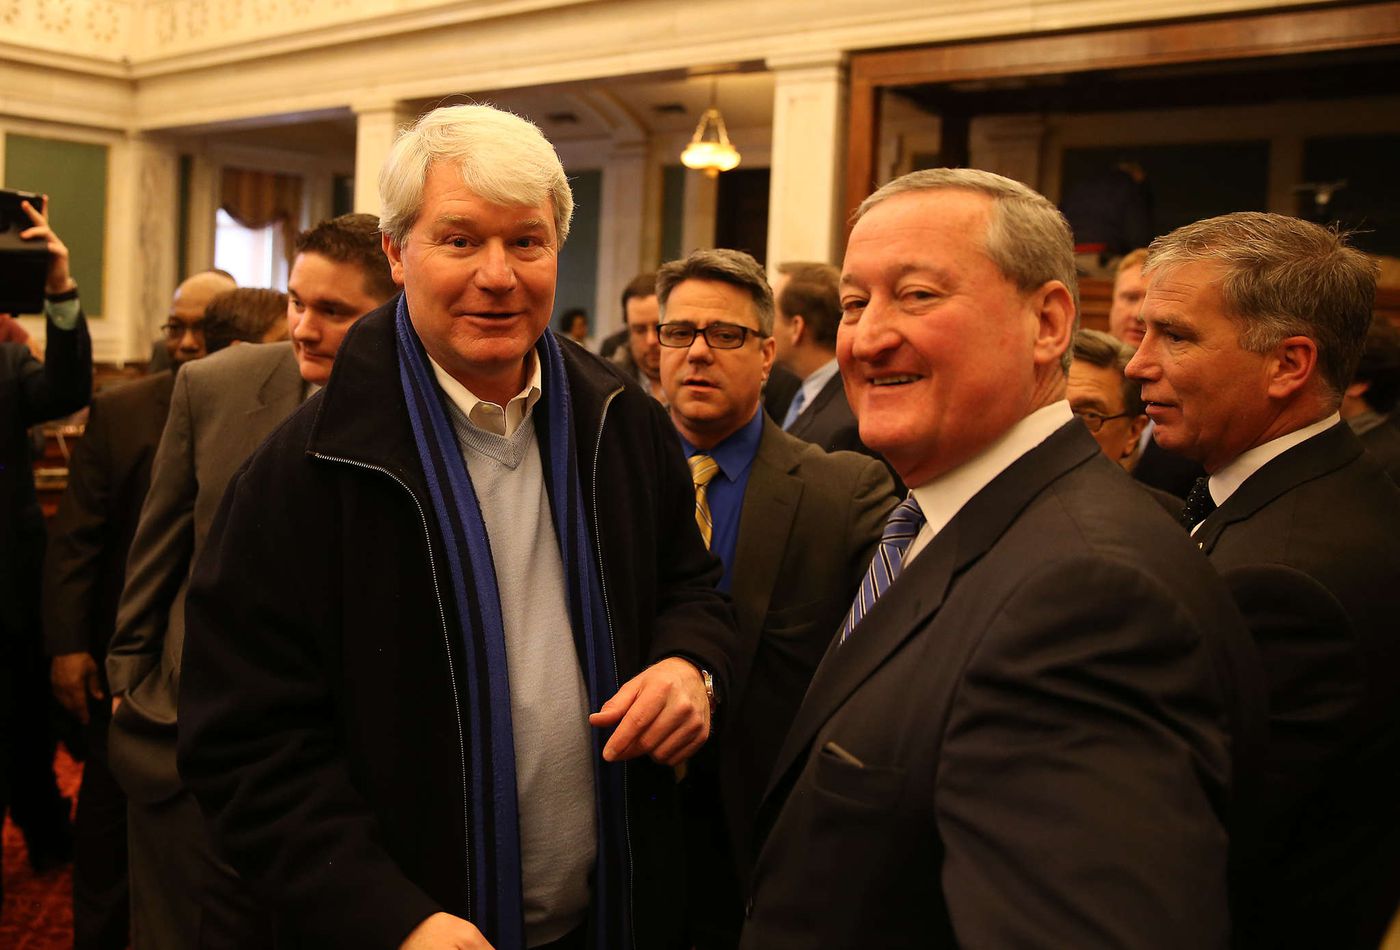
x=725 y=494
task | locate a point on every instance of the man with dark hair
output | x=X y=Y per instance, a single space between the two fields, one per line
x=1371 y=397
x=108 y=477
x=641 y=357
x=795 y=528
x=221 y=409
x=32 y=392
x=1021 y=734
x=1255 y=325
x=1106 y=401
x=245 y=315
x=807 y=314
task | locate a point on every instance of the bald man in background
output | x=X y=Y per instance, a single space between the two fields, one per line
x=186 y=320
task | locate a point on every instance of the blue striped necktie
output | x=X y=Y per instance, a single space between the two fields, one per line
x=794 y=409
x=904 y=523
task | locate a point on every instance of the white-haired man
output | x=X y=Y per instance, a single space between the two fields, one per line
x=388 y=694
x=1018 y=738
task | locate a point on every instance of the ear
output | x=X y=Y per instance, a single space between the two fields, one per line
x=769 y=349
x=1292 y=365
x=1053 y=306
x=799 y=329
x=395 y=255
x=1357 y=389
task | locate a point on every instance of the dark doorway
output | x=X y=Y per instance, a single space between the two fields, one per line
x=741 y=212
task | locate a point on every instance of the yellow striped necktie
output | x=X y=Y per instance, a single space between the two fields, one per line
x=702 y=470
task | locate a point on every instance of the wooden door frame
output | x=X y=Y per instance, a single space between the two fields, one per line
x=1242 y=36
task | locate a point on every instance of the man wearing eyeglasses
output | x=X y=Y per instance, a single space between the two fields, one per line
x=795 y=528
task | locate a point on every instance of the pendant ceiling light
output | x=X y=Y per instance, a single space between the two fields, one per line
x=709 y=149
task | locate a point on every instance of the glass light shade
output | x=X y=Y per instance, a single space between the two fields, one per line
x=709 y=149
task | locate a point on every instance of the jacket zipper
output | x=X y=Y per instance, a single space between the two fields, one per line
x=447 y=642
x=612 y=643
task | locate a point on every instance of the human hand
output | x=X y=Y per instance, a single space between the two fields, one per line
x=73 y=677
x=60 y=280
x=442 y=931
x=662 y=711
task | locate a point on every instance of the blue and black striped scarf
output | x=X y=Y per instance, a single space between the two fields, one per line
x=493 y=833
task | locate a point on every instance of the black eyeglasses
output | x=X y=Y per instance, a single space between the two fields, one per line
x=176 y=330
x=718 y=336
x=1094 y=421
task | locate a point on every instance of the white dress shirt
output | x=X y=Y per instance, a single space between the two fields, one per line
x=488 y=416
x=943 y=497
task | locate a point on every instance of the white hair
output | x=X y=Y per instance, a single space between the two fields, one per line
x=502 y=158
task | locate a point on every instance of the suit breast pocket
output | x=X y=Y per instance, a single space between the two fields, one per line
x=838 y=774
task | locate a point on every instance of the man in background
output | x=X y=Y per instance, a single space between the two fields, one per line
x=108 y=476
x=641 y=357
x=32 y=392
x=221 y=409
x=1371 y=396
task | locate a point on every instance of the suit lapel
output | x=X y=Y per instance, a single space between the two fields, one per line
x=278 y=395
x=1323 y=453
x=765 y=522
x=921 y=590
x=814 y=409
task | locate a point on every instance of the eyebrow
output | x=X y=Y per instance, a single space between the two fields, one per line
x=467 y=221
x=939 y=274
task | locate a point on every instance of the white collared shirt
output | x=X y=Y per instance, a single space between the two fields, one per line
x=815 y=380
x=1227 y=480
x=488 y=416
x=943 y=497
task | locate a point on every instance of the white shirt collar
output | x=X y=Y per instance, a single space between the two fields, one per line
x=817 y=379
x=502 y=420
x=943 y=497
x=1228 y=479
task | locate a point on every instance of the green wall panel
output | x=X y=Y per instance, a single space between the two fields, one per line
x=74 y=176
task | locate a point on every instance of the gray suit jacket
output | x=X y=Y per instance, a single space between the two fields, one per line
x=221 y=410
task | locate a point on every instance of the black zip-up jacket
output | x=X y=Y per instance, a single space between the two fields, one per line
x=323 y=697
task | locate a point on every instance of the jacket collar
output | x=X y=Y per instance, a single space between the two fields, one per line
x=362 y=417
x=921 y=589
x=1318 y=456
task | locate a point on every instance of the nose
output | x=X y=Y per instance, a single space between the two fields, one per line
x=873 y=336
x=1143 y=365
x=699 y=350
x=192 y=338
x=306 y=328
x=494 y=272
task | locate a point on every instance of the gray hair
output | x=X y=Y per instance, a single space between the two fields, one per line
x=1108 y=352
x=727 y=267
x=502 y=158
x=1027 y=238
x=1283 y=277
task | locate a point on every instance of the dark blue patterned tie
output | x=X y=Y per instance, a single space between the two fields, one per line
x=904 y=523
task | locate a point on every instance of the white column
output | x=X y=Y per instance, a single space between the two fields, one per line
x=623 y=210
x=808 y=158
x=377 y=124
x=141 y=233
x=698 y=222
x=202 y=212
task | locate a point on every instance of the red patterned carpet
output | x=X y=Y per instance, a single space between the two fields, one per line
x=38 y=909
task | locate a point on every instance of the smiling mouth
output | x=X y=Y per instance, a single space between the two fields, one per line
x=894 y=380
